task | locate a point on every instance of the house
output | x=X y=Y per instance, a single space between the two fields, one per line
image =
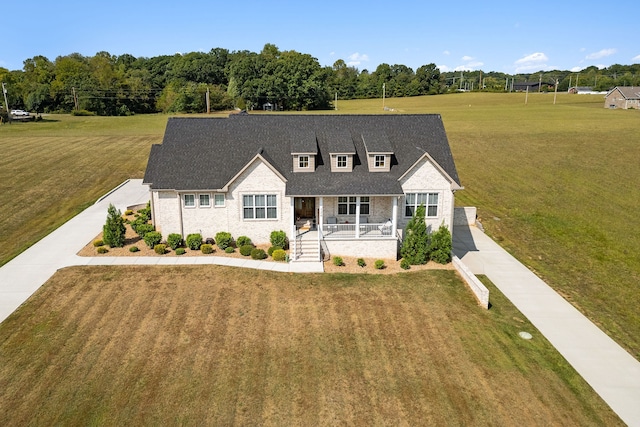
x=336 y=184
x=581 y=90
x=623 y=97
x=532 y=86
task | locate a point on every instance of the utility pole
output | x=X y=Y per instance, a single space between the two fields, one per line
x=555 y=94
x=208 y=102
x=6 y=104
x=335 y=103
x=526 y=97
x=540 y=83
x=75 y=98
x=383 y=94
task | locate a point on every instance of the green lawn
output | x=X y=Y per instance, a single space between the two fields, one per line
x=557 y=185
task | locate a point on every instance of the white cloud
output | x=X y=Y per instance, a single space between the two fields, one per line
x=357 y=58
x=467 y=58
x=636 y=58
x=576 y=69
x=443 y=68
x=601 y=54
x=533 y=62
x=446 y=52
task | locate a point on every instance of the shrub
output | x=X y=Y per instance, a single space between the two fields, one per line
x=230 y=249
x=415 y=248
x=174 y=240
x=361 y=262
x=272 y=249
x=279 y=239
x=145 y=213
x=114 y=230
x=194 y=241
x=279 y=255
x=206 y=248
x=133 y=249
x=98 y=242
x=142 y=228
x=128 y=212
x=223 y=239
x=82 y=113
x=404 y=264
x=246 y=250
x=102 y=250
x=257 y=253
x=160 y=249
x=440 y=246
x=152 y=238
x=338 y=261
x=180 y=251
x=243 y=240
x=379 y=264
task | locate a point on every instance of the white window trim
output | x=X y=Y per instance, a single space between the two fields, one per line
x=382 y=161
x=224 y=201
x=200 y=204
x=266 y=218
x=350 y=203
x=346 y=161
x=184 y=201
x=426 y=205
x=307 y=159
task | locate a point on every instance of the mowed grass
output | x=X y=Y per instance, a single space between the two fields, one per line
x=204 y=345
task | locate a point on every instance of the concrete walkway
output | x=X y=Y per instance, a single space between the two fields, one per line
x=24 y=274
x=612 y=372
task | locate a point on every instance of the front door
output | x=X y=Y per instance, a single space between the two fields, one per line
x=305 y=207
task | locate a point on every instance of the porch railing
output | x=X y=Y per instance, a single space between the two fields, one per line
x=366 y=231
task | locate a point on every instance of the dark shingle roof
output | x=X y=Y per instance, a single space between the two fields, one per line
x=377 y=142
x=205 y=154
x=303 y=141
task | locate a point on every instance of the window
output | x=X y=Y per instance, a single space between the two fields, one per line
x=347 y=205
x=218 y=200
x=413 y=200
x=189 y=201
x=379 y=161
x=205 y=201
x=303 y=162
x=259 y=206
x=341 y=161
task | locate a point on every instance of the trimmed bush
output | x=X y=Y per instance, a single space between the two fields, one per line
x=133 y=249
x=279 y=239
x=440 y=246
x=98 y=242
x=142 y=228
x=180 y=251
x=243 y=240
x=206 y=248
x=337 y=261
x=160 y=249
x=404 y=264
x=230 y=249
x=379 y=264
x=174 y=240
x=246 y=250
x=114 y=230
x=194 y=241
x=128 y=212
x=272 y=249
x=152 y=238
x=361 y=262
x=258 y=253
x=279 y=255
x=223 y=239
x=145 y=213
x=415 y=247
x=102 y=250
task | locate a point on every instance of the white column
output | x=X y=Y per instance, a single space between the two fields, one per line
x=394 y=217
x=292 y=237
x=321 y=213
x=357 y=217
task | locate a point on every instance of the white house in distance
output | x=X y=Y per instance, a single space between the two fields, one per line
x=336 y=184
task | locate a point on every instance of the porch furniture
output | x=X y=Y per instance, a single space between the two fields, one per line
x=332 y=222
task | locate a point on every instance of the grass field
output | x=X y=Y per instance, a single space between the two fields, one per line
x=557 y=185
x=204 y=345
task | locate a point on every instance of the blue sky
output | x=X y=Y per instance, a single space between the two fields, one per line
x=507 y=36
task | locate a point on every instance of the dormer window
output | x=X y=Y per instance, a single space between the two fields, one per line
x=379 y=161
x=379 y=151
x=341 y=161
x=303 y=162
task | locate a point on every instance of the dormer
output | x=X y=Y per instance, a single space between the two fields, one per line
x=304 y=149
x=379 y=151
x=341 y=150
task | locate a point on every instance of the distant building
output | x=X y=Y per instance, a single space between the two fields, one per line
x=625 y=97
x=581 y=90
x=533 y=86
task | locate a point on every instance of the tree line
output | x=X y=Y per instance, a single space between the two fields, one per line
x=107 y=84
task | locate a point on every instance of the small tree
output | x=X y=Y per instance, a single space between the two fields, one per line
x=415 y=248
x=440 y=245
x=113 y=231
